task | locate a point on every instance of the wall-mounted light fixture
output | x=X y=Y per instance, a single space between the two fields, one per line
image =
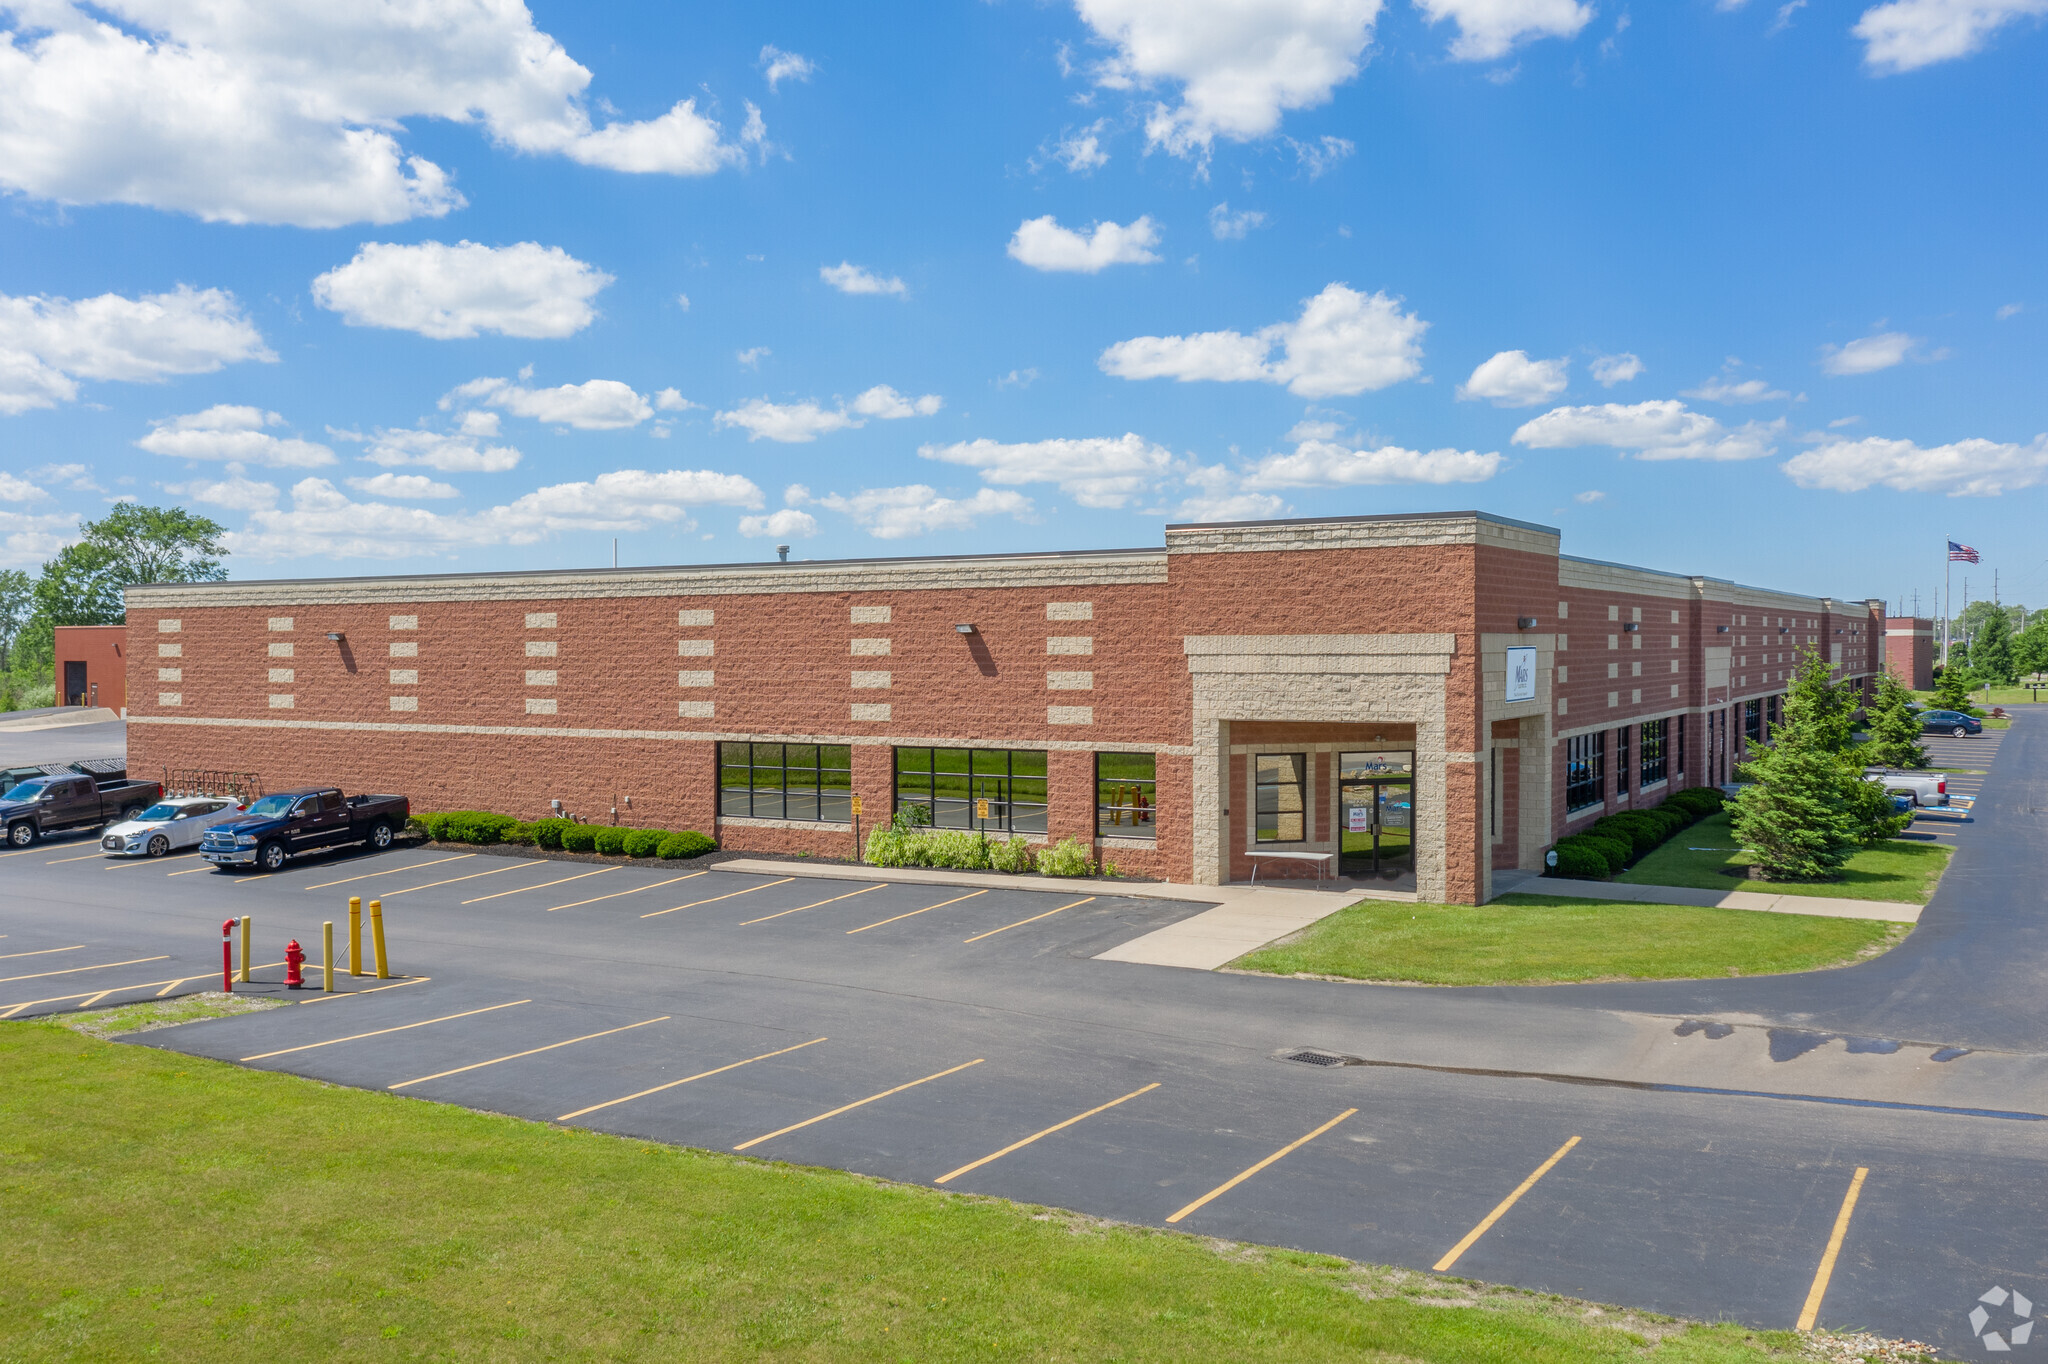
x=336 y=635
x=1525 y=622
x=1720 y=629
x=964 y=629
x=1631 y=628
x=1784 y=629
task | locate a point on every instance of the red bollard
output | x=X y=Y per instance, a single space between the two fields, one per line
x=294 y=958
x=227 y=957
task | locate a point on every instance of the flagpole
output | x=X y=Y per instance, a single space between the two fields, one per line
x=1948 y=596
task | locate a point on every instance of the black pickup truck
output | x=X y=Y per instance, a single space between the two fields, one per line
x=48 y=804
x=287 y=823
x=100 y=769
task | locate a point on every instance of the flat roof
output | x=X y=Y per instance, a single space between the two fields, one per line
x=1380 y=516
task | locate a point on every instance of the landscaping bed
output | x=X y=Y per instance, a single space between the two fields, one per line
x=161 y=1205
x=1703 y=858
x=1550 y=940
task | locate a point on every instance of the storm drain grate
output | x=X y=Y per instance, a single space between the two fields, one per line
x=1316 y=1058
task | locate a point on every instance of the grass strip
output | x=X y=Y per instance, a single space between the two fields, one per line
x=1700 y=857
x=159 y=1205
x=1541 y=940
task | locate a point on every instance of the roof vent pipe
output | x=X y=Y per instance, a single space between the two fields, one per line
x=782 y=553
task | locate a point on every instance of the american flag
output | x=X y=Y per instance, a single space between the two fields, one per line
x=1961 y=553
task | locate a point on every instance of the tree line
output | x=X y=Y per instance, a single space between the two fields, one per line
x=84 y=584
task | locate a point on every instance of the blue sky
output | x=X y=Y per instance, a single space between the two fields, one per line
x=1748 y=289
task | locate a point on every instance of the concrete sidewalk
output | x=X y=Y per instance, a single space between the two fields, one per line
x=1832 y=907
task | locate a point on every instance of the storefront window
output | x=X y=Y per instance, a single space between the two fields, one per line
x=1282 y=798
x=1653 y=770
x=1585 y=770
x=1126 y=794
x=998 y=789
x=786 y=781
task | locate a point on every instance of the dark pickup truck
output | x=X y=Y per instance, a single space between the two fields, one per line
x=283 y=825
x=49 y=804
x=100 y=769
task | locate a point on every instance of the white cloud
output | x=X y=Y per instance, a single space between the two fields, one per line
x=1784 y=19
x=886 y=403
x=322 y=520
x=1512 y=379
x=1964 y=468
x=1616 y=369
x=1095 y=471
x=1080 y=151
x=1319 y=463
x=1492 y=28
x=915 y=509
x=291 y=111
x=752 y=356
x=1320 y=155
x=1018 y=378
x=1726 y=390
x=407 y=486
x=2011 y=310
x=236 y=492
x=28 y=540
x=1905 y=35
x=1043 y=244
x=453 y=454
x=1231 y=227
x=1589 y=497
x=779 y=66
x=452 y=292
x=796 y=423
x=1867 y=355
x=1344 y=342
x=595 y=405
x=77 y=477
x=1240 y=63
x=231 y=432
x=670 y=400
x=1658 y=430
x=854 y=279
x=48 y=344
x=1219 y=496
x=15 y=489
x=786 y=524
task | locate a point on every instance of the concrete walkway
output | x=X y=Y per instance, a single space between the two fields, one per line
x=57 y=717
x=1832 y=907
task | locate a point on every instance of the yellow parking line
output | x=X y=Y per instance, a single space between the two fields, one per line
x=700 y=1075
x=43 y=953
x=716 y=898
x=635 y=891
x=148 y=861
x=390 y=871
x=1500 y=1210
x=1811 y=1311
x=80 y=858
x=74 y=970
x=190 y=870
x=1019 y=1145
x=13 y=1009
x=1284 y=1151
x=1021 y=922
x=801 y=908
x=351 y=994
x=915 y=912
x=496 y=871
x=24 y=852
x=847 y=1108
x=403 y=1027
x=444 y=1074
x=542 y=886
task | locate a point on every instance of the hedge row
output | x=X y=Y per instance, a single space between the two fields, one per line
x=960 y=850
x=1614 y=841
x=481 y=826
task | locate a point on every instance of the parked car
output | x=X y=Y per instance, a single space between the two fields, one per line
x=175 y=823
x=281 y=826
x=100 y=769
x=1950 y=722
x=1921 y=788
x=44 y=805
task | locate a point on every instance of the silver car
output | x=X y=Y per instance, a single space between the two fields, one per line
x=169 y=824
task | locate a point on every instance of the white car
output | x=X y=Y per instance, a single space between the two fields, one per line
x=174 y=823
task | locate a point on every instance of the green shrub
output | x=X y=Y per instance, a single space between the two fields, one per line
x=1708 y=798
x=547 y=833
x=477 y=826
x=520 y=834
x=688 y=843
x=579 y=838
x=1068 y=857
x=1011 y=855
x=611 y=840
x=434 y=826
x=643 y=842
x=1639 y=837
x=1576 y=858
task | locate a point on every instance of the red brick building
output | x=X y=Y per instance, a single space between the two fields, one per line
x=1428 y=698
x=1910 y=645
x=90 y=667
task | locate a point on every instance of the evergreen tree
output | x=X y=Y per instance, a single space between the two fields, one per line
x=1991 y=650
x=1894 y=730
x=1952 y=689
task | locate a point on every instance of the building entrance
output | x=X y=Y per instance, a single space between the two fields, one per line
x=1376 y=814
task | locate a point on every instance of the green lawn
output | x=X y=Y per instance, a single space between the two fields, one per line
x=1540 y=940
x=154 y=1205
x=1898 y=871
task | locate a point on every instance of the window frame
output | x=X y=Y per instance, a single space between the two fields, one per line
x=1008 y=814
x=1653 y=753
x=1301 y=784
x=1585 y=754
x=1143 y=814
x=816 y=791
x=1622 y=749
x=1678 y=752
x=1753 y=720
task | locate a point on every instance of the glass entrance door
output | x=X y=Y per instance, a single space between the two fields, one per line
x=1376 y=807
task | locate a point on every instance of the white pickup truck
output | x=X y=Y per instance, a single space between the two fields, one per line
x=1924 y=788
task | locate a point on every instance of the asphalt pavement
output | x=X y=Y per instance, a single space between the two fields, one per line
x=931 y=1034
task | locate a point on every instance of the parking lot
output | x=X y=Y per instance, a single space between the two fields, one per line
x=966 y=1039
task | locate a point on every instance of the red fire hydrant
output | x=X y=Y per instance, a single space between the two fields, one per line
x=294 y=958
x=227 y=957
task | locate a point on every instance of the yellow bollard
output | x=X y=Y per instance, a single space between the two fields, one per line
x=355 y=935
x=327 y=956
x=377 y=937
x=243 y=974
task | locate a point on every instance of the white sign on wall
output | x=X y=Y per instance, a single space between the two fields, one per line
x=1522 y=673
